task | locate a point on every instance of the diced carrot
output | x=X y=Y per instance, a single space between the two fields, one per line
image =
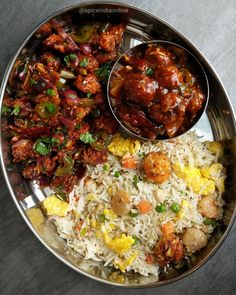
x=149 y=259
x=167 y=228
x=144 y=207
x=79 y=225
x=129 y=162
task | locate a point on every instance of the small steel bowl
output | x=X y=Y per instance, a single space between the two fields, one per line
x=193 y=64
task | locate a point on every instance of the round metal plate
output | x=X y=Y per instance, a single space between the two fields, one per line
x=218 y=122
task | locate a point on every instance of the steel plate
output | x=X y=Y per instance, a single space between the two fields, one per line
x=218 y=122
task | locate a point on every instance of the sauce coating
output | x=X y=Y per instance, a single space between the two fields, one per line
x=153 y=92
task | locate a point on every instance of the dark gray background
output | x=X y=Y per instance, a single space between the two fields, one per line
x=26 y=267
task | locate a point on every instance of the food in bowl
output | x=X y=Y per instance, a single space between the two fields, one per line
x=154 y=93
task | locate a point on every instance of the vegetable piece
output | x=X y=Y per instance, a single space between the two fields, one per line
x=67 y=74
x=50 y=107
x=23 y=71
x=46 y=109
x=71 y=97
x=167 y=228
x=50 y=92
x=169 y=248
x=5 y=110
x=120 y=203
x=69 y=124
x=209 y=221
x=106 y=167
x=95 y=113
x=149 y=71
x=16 y=110
x=175 y=207
x=156 y=167
x=208 y=207
x=84 y=34
x=136 y=239
x=144 y=207
x=33 y=82
x=69 y=57
x=42 y=146
x=194 y=239
x=86 y=138
x=117 y=174
x=116 y=86
x=149 y=259
x=129 y=162
x=161 y=208
x=84 y=63
x=89 y=94
x=102 y=218
x=73 y=56
x=86 y=102
x=133 y=214
x=104 y=71
x=66 y=168
x=101 y=140
x=135 y=181
x=160 y=195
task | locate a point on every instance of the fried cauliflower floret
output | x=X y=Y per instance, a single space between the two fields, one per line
x=156 y=166
x=208 y=207
x=88 y=84
x=194 y=239
x=169 y=249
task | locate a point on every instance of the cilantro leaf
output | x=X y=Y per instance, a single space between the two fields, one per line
x=104 y=71
x=84 y=63
x=42 y=146
x=50 y=92
x=149 y=71
x=86 y=138
x=16 y=110
x=73 y=56
x=5 y=110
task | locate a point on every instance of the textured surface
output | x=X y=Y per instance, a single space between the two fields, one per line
x=26 y=266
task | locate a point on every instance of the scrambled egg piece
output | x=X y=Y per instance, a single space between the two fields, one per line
x=116 y=277
x=194 y=179
x=121 y=146
x=221 y=184
x=122 y=264
x=213 y=172
x=91 y=197
x=215 y=147
x=35 y=216
x=119 y=245
x=55 y=206
x=184 y=205
x=109 y=213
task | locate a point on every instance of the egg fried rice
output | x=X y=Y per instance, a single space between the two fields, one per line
x=90 y=227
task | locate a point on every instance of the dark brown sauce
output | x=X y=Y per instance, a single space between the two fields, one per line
x=154 y=93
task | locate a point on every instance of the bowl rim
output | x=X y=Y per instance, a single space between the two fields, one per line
x=157 y=41
x=22 y=212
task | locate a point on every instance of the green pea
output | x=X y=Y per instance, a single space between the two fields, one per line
x=209 y=221
x=161 y=208
x=175 y=207
x=117 y=174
